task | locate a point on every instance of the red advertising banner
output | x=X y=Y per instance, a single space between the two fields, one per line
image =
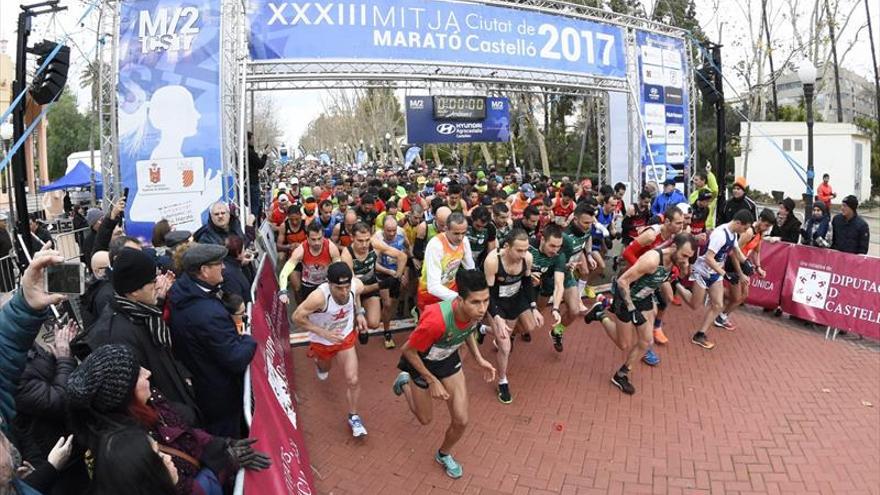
x=767 y=292
x=275 y=420
x=834 y=289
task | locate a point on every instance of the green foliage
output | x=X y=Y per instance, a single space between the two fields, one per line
x=68 y=132
x=872 y=128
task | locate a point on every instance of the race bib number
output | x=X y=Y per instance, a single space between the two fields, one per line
x=509 y=290
x=440 y=353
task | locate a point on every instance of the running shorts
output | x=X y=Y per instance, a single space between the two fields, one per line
x=441 y=369
x=326 y=352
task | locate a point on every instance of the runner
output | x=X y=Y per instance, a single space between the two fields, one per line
x=577 y=247
x=432 y=363
x=412 y=198
x=636 y=218
x=446 y=252
x=310 y=262
x=512 y=303
x=328 y=314
x=292 y=232
x=392 y=271
x=633 y=303
x=564 y=205
x=325 y=218
x=501 y=220
x=709 y=271
x=548 y=274
x=750 y=244
x=481 y=234
x=342 y=231
x=528 y=221
x=426 y=231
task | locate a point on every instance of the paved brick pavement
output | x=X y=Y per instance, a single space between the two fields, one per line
x=774 y=408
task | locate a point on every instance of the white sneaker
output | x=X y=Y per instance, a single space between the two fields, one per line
x=357 y=426
x=322 y=375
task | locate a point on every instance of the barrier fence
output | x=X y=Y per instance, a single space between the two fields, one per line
x=830 y=288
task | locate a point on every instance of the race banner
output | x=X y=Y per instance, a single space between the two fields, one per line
x=834 y=289
x=275 y=421
x=169 y=112
x=435 y=32
x=663 y=103
x=767 y=292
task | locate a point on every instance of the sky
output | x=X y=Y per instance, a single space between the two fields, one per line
x=724 y=20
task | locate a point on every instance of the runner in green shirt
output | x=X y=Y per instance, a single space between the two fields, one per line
x=633 y=303
x=548 y=273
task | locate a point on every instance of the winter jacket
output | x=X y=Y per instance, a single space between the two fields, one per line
x=665 y=200
x=211 y=234
x=206 y=341
x=733 y=205
x=816 y=228
x=93 y=301
x=19 y=324
x=88 y=248
x=40 y=422
x=174 y=431
x=235 y=280
x=790 y=231
x=850 y=236
x=167 y=374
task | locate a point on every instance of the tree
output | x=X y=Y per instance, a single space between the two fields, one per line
x=67 y=132
x=267 y=130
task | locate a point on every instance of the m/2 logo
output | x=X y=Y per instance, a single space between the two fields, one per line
x=168 y=29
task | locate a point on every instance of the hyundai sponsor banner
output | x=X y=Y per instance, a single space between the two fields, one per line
x=835 y=289
x=663 y=72
x=767 y=291
x=169 y=112
x=434 y=31
x=275 y=421
x=421 y=127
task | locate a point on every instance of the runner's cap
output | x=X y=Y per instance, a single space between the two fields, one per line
x=339 y=273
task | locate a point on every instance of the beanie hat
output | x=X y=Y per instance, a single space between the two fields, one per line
x=740 y=182
x=851 y=201
x=132 y=269
x=93 y=215
x=788 y=203
x=105 y=380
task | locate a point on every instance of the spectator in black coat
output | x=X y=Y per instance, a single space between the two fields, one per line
x=235 y=279
x=93 y=220
x=738 y=201
x=40 y=422
x=850 y=232
x=206 y=340
x=40 y=235
x=788 y=227
x=133 y=319
x=220 y=225
x=256 y=162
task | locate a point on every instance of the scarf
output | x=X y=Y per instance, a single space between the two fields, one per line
x=148 y=316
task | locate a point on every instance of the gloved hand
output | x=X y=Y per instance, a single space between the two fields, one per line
x=389 y=283
x=747 y=268
x=732 y=277
x=248 y=458
x=637 y=318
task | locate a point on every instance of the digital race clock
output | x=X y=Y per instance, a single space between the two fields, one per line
x=459 y=108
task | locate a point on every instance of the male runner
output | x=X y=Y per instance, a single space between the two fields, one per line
x=446 y=252
x=708 y=272
x=432 y=363
x=393 y=272
x=548 y=273
x=501 y=220
x=633 y=303
x=328 y=314
x=481 y=234
x=512 y=303
x=361 y=257
x=577 y=247
x=750 y=245
x=311 y=261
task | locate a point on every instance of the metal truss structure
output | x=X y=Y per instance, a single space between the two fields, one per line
x=108 y=70
x=233 y=50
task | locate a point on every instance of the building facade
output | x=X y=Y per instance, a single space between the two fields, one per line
x=856 y=94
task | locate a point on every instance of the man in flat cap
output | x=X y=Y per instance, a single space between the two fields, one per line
x=206 y=341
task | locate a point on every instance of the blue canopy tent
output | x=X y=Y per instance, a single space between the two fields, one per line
x=79 y=176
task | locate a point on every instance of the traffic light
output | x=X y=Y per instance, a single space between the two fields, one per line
x=49 y=83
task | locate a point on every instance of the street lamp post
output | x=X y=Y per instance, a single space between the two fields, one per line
x=388 y=147
x=807 y=75
x=6 y=132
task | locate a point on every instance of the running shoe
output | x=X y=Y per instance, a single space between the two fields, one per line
x=651 y=358
x=701 y=340
x=589 y=292
x=659 y=336
x=504 y=393
x=722 y=321
x=556 y=335
x=622 y=382
x=357 y=426
x=322 y=375
x=389 y=342
x=453 y=469
x=595 y=313
x=402 y=379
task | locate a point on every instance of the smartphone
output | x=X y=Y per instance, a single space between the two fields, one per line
x=65 y=278
x=125 y=193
